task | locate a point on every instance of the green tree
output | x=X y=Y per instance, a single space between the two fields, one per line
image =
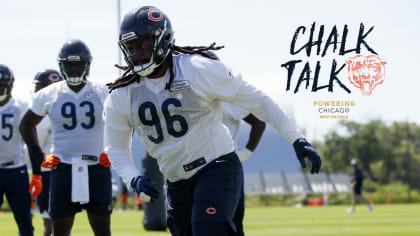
x=386 y=153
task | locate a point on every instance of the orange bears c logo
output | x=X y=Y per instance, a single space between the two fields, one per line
x=155 y=15
x=211 y=210
x=53 y=77
x=366 y=73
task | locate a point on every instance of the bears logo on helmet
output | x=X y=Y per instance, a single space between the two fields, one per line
x=54 y=77
x=151 y=17
x=46 y=77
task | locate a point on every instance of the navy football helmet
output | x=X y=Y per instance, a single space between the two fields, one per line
x=74 y=60
x=46 y=77
x=6 y=81
x=146 y=39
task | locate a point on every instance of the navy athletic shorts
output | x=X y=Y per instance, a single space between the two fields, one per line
x=43 y=199
x=14 y=182
x=100 y=192
x=211 y=195
x=240 y=213
x=357 y=191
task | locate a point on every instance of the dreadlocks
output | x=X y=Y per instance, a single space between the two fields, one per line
x=129 y=76
x=198 y=50
x=125 y=79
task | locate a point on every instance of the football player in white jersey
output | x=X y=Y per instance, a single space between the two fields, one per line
x=14 y=180
x=42 y=79
x=81 y=178
x=172 y=97
x=232 y=117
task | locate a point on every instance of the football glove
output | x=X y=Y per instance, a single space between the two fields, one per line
x=244 y=154
x=144 y=188
x=50 y=162
x=304 y=149
x=35 y=187
x=104 y=160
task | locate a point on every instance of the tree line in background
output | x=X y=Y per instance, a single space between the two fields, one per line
x=387 y=153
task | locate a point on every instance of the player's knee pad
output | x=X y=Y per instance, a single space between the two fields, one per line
x=214 y=228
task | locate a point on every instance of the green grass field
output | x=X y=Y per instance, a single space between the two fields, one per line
x=267 y=221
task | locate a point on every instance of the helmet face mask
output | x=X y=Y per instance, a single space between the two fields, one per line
x=138 y=45
x=139 y=53
x=74 y=71
x=74 y=60
x=4 y=92
x=146 y=39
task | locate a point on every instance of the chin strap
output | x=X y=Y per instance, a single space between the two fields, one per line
x=3 y=97
x=145 y=69
x=75 y=81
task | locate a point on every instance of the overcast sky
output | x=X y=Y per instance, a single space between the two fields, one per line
x=257 y=36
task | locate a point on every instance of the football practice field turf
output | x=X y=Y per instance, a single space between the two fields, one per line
x=393 y=220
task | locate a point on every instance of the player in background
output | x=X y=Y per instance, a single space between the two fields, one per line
x=115 y=190
x=42 y=79
x=174 y=103
x=154 y=212
x=357 y=187
x=124 y=195
x=81 y=178
x=14 y=180
x=232 y=117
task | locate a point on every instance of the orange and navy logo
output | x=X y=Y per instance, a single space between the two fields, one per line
x=53 y=77
x=155 y=15
x=211 y=210
x=366 y=72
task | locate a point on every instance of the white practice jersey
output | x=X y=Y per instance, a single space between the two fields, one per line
x=232 y=117
x=180 y=126
x=12 y=151
x=76 y=123
x=44 y=132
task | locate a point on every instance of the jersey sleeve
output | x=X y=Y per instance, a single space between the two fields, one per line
x=216 y=81
x=41 y=101
x=262 y=106
x=118 y=135
x=43 y=130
